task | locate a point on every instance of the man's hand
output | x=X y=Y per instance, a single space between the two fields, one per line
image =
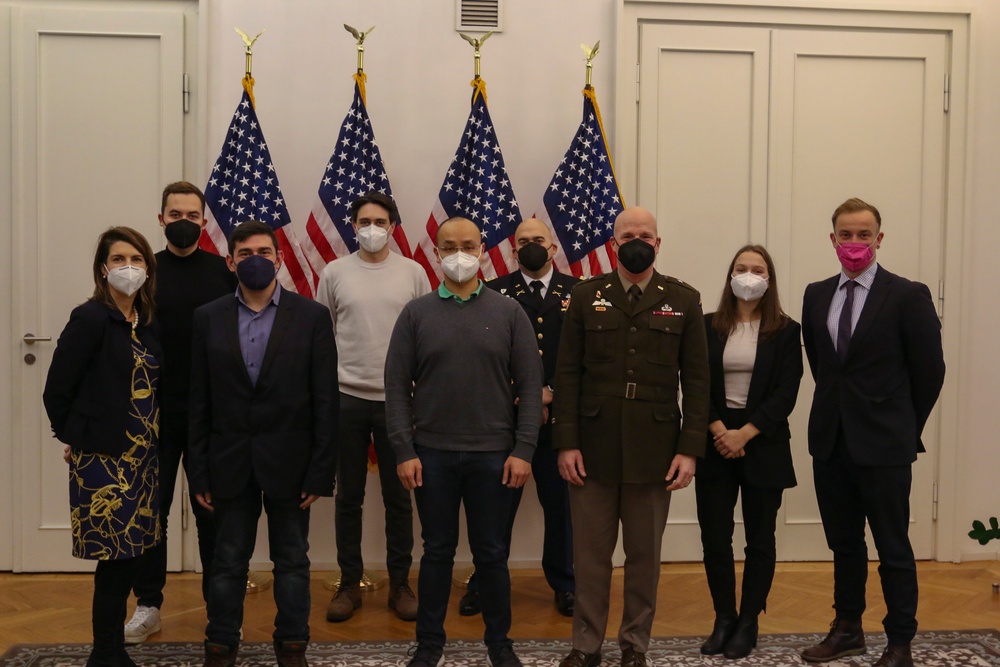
x=307 y=500
x=515 y=472
x=681 y=471
x=571 y=466
x=411 y=474
x=205 y=500
x=66 y=451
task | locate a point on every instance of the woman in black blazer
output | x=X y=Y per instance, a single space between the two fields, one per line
x=100 y=396
x=755 y=361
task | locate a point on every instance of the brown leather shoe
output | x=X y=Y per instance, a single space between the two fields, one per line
x=291 y=653
x=220 y=655
x=402 y=599
x=845 y=638
x=631 y=658
x=895 y=655
x=580 y=659
x=343 y=604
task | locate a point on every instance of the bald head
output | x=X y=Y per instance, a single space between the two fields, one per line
x=634 y=218
x=532 y=230
x=457 y=225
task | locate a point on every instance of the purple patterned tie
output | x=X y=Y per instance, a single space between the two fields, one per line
x=844 y=327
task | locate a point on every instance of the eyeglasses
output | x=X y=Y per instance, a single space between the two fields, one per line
x=451 y=250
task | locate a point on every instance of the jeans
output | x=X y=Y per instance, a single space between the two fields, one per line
x=361 y=422
x=236 y=533
x=152 y=574
x=451 y=479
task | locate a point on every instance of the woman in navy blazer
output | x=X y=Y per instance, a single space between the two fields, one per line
x=100 y=396
x=755 y=362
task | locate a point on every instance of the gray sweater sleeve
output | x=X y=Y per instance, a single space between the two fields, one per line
x=526 y=372
x=400 y=371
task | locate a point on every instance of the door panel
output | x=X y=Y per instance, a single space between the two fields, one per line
x=97 y=126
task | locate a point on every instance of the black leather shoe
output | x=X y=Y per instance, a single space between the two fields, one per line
x=743 y=640
x=580 y=659
x=469 y=604
x=895 y=655
x=632 y=658
x=845 y=638
x=565 y=602
x=720 y=634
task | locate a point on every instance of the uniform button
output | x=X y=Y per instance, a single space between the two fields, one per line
x=540 y=353
x=630 y=373
x=600 y=326
x=632 y=330
x=540 y=321
x=632 y=351
x=540 y=336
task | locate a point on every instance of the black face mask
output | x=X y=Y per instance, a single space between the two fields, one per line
x=183 y=233
x=256 y=271
x=532 y=256
x=636 y=255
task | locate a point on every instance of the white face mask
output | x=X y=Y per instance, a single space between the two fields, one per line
x=748 y=286
x=372 y=237
x=127 y=279
x=460 y=266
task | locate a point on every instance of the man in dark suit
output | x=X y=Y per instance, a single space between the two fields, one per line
x=873 y=340
x=629 y=336
x=263 y=415
x=544 y=295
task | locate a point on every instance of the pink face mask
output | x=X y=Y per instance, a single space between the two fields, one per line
x=855 y=256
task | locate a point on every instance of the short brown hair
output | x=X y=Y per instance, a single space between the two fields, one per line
x=182 y=188
x=102 y=291
x=853 y=205
x=772 y=318
x=379 y=199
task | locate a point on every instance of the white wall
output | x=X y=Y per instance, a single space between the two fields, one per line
x=418 y=98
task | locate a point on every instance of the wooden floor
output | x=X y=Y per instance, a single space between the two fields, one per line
x=41 y=608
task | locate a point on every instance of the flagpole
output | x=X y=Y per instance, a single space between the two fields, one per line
x=359 y=76
x=248 y=70
x=477 y=81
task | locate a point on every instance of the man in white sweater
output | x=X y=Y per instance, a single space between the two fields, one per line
x=365 y=292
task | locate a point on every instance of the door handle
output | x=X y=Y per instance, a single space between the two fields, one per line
x=31 y=338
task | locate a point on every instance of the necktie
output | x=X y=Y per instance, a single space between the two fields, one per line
x=844 y=326
x=536 y=288
x=634 y=294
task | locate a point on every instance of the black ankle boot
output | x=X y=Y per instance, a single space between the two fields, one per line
x=720 y=634
x=743 y=640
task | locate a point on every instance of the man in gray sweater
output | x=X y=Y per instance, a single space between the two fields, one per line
x=459 y=360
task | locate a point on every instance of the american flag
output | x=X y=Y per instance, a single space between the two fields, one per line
x=583 y=199
x=476 y=187
x=243 y=186
x=354 y=169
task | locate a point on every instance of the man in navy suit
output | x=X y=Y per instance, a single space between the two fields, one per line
x=873 y=340
x=543 y=293
x=264 y=405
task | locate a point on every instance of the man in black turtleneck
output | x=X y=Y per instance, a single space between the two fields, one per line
x=187 y=277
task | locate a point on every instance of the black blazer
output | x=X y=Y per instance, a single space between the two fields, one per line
x=774 y=387
x=884 y=391
x=281 y=431
x=546 y=319
x=88 y=390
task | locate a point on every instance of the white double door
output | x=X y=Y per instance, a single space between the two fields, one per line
x=97 y=124
x=755 y=134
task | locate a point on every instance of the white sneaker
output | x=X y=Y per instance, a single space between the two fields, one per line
x=144 y=622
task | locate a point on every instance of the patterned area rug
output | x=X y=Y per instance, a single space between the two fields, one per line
x=966 y=648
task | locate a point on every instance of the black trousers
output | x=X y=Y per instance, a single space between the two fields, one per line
x=848 y=494
x=112 y=583
x=363 y=422
x=152 y=570
x=716 y=491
